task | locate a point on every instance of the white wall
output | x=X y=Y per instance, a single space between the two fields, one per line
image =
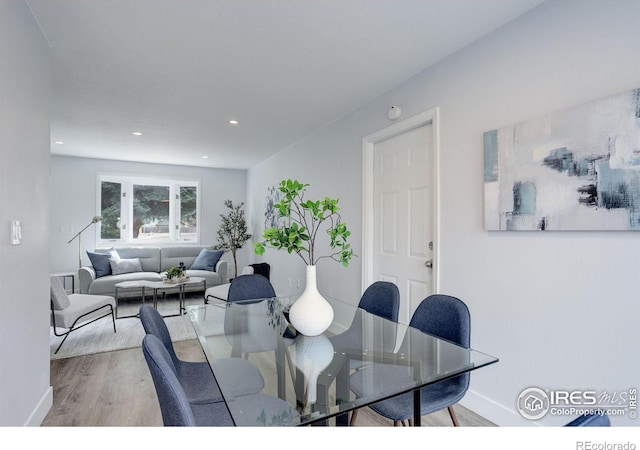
x=560 y=309
x=73 y=202
x=25 y=394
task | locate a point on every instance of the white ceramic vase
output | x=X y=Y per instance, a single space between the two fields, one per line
x=311 y=314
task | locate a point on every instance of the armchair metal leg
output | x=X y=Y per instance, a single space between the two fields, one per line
x=66 y=335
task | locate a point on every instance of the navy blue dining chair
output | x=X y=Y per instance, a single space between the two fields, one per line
x=250 y=287
x=442 y=316
x=381 y=298
x=197 y=377
x=175 y=407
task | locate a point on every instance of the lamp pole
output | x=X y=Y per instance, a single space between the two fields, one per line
x=95 y=219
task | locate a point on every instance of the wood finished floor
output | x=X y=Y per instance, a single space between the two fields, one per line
x=115 y=389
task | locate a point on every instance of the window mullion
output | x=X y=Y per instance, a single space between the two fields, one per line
x=173 y=234
x=127 y=211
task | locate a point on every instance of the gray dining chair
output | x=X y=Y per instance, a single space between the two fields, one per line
x=442 y=316
x=74 y=311
x=197 y=378
x=175 y=407
x=250 y=287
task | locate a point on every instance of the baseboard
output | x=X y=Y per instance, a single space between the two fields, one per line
x=41 y=410
x=494 y=412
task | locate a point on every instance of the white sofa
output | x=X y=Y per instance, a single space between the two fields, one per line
x=154 y=262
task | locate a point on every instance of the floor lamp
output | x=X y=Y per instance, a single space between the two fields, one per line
x=95 y=219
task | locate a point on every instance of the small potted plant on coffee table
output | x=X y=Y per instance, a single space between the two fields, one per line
x=176 y=274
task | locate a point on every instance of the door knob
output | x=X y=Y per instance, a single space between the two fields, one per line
x=429 y=263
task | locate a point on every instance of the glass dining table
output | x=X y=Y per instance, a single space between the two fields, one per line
x=305 y=380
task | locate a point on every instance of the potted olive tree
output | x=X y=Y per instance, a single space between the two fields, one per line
x=232 y=234
x=303 y=220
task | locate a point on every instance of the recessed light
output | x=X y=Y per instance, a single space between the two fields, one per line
x=59 y=142
x=205 y=157
x=233 y=122
x=137 y=133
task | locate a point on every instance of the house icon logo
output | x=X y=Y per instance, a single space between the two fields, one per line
x=533 y=403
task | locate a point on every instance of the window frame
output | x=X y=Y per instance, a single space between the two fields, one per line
x=127 y=182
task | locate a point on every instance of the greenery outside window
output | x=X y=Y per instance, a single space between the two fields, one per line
x=147 y=210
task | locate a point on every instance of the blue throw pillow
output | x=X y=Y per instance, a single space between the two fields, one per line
x=207 y=260
x=100 y=261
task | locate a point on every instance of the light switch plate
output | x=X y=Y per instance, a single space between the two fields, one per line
x=16 y=232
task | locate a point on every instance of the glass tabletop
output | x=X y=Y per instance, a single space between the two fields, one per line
x=306 y=379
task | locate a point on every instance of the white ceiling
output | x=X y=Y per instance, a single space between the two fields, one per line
x=179 y=70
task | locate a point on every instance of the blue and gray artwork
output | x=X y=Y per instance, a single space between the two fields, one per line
x=577 y=169
x=271 y=214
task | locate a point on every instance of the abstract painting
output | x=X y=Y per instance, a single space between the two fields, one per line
x=271 y=214
x=577 y=169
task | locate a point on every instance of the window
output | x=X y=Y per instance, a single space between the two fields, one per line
x=148 y=210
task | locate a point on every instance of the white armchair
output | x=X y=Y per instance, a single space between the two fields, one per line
x=74 y=311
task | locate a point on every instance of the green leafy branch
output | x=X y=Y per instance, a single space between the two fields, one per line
x=305 y=219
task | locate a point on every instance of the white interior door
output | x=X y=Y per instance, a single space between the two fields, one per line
x=402 y=235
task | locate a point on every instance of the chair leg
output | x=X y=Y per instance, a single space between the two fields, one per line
x=396 y=423
x=410 y=422
x=453 y=416
x=65 y=338
x=113 y=319
x=354 y=416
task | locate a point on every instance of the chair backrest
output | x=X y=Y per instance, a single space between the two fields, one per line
x=59 y=298
x=174 y=405
x=448 y=318
x=153 y=323
x=444 y=316
x=381 y=298
x=249 y=287
x=260 y=269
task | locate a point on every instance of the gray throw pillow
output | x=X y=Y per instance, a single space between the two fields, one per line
x=100 y=261
x=120 y=266
x=207 y=260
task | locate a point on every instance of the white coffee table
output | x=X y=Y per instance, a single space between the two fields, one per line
x=160 y=285
x=156 y=286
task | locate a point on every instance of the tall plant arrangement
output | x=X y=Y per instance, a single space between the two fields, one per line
x=301 y=221
x=232 y=234
x=304 y=219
